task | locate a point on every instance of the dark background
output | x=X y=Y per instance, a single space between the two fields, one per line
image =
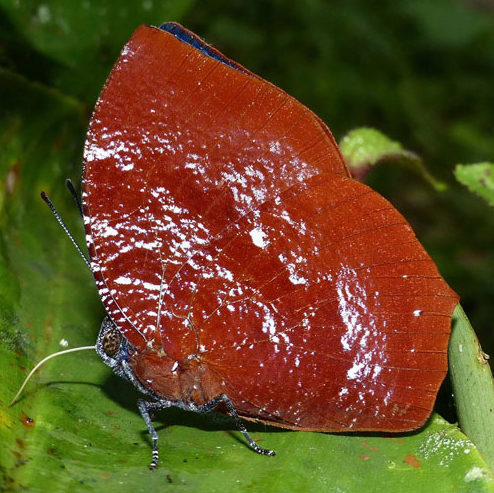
x=420 y=71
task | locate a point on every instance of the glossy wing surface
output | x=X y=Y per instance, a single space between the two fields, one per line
x=223 y=225
x=323 y=311
x=179 y=146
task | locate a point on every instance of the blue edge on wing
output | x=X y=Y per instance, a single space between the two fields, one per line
x=186 y=37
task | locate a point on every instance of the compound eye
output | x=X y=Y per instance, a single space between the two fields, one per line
x=112 y=340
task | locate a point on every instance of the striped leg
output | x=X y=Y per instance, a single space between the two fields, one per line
x=145 y=407
x=209 y=406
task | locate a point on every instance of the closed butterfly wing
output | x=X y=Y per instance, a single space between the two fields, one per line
x=226 y=235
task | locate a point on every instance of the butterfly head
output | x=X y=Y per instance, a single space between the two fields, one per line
x=112 y=346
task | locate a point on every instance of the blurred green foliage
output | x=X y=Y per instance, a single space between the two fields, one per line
x=422 y=72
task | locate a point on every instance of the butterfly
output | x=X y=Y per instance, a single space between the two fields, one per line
x=241 y=266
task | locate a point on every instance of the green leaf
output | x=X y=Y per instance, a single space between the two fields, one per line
x=473 y=385
x=478 y=178
x=364 y=148
x=76 y=428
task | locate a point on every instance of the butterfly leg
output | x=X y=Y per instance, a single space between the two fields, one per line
x=209 y=406
x=145 y=407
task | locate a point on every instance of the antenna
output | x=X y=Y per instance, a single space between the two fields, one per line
x=73 y=192
x=64 y=227
x=71 y=188
x=65 y=351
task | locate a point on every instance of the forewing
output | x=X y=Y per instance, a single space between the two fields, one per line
x=181 y=145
